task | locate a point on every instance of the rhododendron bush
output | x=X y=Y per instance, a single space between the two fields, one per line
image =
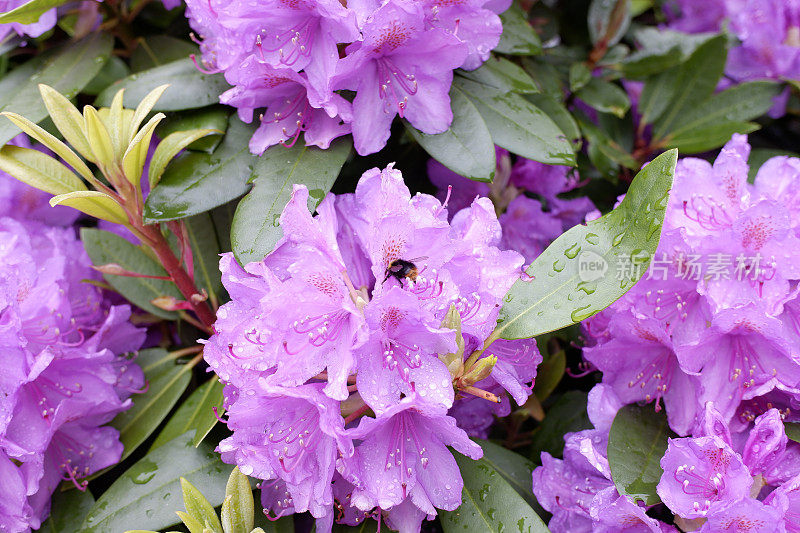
x=275 y=266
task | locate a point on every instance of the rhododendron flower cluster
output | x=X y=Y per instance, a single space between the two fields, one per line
x=300 y=60
x=710 y=335
x=67 y=369
x=385 y=297
x=769 y=31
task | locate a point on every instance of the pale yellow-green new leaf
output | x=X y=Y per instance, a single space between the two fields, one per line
x=238 y=507
x=39 y=170
x=136 y=155
x=198 y=507
x=67 y=119
x=98 y=137
x=144 y=108
x=191 y=523
x=93 y=203
x=116 y=125
x=44 y=137
x=169 y=148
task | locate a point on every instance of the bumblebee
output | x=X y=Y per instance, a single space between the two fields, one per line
x=400 y=269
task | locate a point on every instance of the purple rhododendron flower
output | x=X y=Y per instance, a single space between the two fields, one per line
x=364 y=334
x=712 y=319
x=578 y=490
x=290 y=58
x=66 y=373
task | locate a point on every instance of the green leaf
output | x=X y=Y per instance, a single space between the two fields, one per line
x=515 y=469
x=558 y=114
x=213 y=118
x=567 y=414
x=67 y=511
x=661 y=49
x=203 y=238
x=546 y=77
x=195 y=415
x=157 y=50
x=549 y=375
x=466 y=148
x=149 y=492
x=605 y=97
x=29 y=12
x=759 y=156
x=94 y=203
x=39 y=170
x=696 y=80
x=570 y=285
x=256 y=225
x=153 y=361
x=489 y=503
x=743 y=102
x=636 y=444
x=792 y=430
x=658 y=91
x=114 y=69
x=502 y=74
x=708 y=137
x=67 y=69
x=105 y=248
x=194 y=183
x=189 y=89
x=519 y=37
x=579 y=75
x=198 y=507
x=609 y=20
x=238 y=507
x=166 y=385
x=169 y=147
x=517 y=125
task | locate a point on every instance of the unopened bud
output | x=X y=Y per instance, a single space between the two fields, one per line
x=454 y=361
x=482 y=369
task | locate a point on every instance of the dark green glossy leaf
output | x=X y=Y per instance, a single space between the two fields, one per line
x=514 y=468
x=466 y=148
x=590 y=266
x=256 y=225
x=489 y=503
x=708 y=137
x=658 y=91
x=695 y=80
x=549 y=375
x=738 y=104
x=558 y=114
x=205 y=251
x=114 y=69
x=660 y=49
x=519 y=126
x=792 y=430
x=605 y=97
x=67 y=69
x=157 y=50
x=636 y=444
x=189 y=88
x=502 y=74
x=759 y=156
x=195 y=415
x=29 y=12
x=106 y=248
x=67 y=511
x=567 y=414
x=519 y=37
x=214 y=118
x=546 y=77
x=579 y=75
x=149 y=493
x=195 y=183
x=166 y=384
x=609 y=20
